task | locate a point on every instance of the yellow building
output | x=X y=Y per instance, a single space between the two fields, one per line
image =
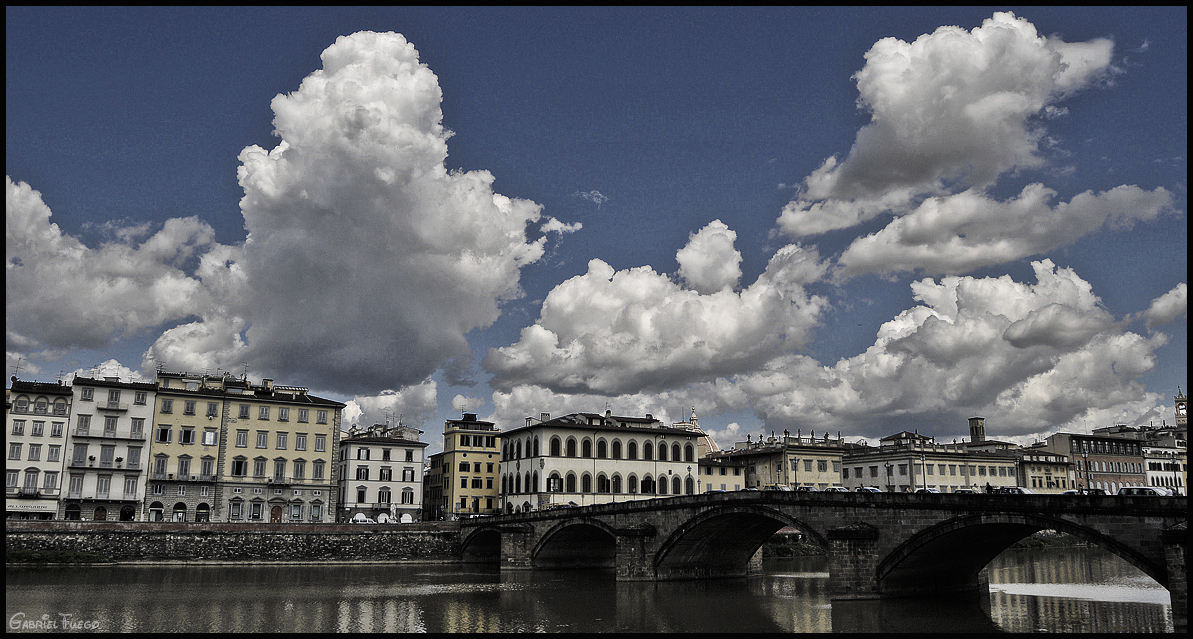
x=462 y=481
x=224 y=449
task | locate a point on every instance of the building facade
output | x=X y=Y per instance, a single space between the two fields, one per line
x=36 y=418
x=1103 y=461
x=107 y=449
x=907 y=461
x=791 y=462
x=224 y=449
x=381 y=474
x=586 y=458
x=462 y=480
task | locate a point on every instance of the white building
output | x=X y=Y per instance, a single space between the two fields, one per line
x=381 y=474
x=108 y=449
x=588 y=458
x=36 y=415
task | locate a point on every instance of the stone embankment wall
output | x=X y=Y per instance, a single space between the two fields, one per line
x=167 y=542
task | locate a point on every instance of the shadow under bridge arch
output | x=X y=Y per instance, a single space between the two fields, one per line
x=576 y=543
x=722 y=541
x=950 y=556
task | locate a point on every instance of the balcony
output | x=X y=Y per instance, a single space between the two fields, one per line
x=113 y=406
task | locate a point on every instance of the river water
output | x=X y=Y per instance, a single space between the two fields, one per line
x=1052 y=590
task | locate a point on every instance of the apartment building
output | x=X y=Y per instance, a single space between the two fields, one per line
x=790 y=462
x=462 y=481
x=1103 y=461
x=224 y=449
x=381 y=474
x=36 y=418
x=588 y=458
x=908 y=461
x=107 y=449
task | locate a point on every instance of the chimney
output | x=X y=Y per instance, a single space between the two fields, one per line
x=977 y=429
x=544 y=417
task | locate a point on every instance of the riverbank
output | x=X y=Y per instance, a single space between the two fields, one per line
x=792 y=543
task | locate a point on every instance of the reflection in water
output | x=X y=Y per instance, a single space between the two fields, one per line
x=790 y=597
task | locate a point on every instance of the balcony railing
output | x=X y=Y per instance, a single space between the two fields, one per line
x=111 y=406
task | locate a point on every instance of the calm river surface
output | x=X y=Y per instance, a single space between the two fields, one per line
x=1055 y=590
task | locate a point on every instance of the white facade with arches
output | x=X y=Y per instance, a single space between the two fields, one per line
x=587 y=458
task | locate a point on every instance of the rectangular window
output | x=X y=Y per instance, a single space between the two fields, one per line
x=113 y=396
x=283 y=414
x=258 y=468
x=407 y=474
x=86 y=394
x=138 y=428
x=262 y=439
x=317 y=470
x=242 y=439
x=300 y=470
x=263 y=412
x=213 y=409
x=162 y=435
x=300 y=441
x=282 y=437
x=189 y=407
x=244 y=411
x=140 y=398
x=56 y=429
x=34 y=452
x=84 y=425
x=167 y=405
x=186 y=436
x=210 y=437
x=321 y=417
x=18 y=427
x=302 y=415
x=320 y=443
x=53 y=453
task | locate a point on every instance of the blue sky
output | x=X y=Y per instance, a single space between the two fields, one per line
x=813 y=219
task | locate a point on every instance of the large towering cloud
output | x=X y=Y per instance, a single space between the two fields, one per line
x=366 y=261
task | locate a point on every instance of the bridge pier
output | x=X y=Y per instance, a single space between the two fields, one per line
x=517 y=542
x=634 y=559
x=853 y=562
x=1178 y=574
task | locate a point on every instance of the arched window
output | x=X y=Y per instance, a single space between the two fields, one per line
x=586 y=447
x=586 y=483
x=571 y=447
x=555 y=447
x=518 y=449
x=571 y=483
x=647 y=485
x=647 y=451
x=536 y=446
x=407 y=495
x=632 y=450
x=663 y=451
x=504 y=485
x=527 y=484
x=662 y=484
x=616 y=484
x=632 y=485
x=617 y=449
x=675 y=452
x=676 y=485
x=602 y=449
x=689 y=486
x=529 y=443
x=688 y=453
x=505 y=450
x=602 y=483
x=554 y=483
x=533 y=487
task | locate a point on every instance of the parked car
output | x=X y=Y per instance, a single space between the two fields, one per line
x=836 y=489
x=964 y=491
x=1145 y=491
x=361 y=518
x=1013 y=490
x=806 y=489
x=927 y=491
x=866 y=489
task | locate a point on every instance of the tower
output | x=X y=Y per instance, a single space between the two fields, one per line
x=977 y=429
x=1182 y=409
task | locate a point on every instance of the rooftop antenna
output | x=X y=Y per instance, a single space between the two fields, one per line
x=17 y=369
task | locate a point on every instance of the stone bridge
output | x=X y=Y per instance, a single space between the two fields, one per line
x=879 y=544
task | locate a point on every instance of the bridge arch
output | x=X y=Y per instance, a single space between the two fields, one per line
x=481 y=545
x=720 y=542
x=576 y=543
x=949 y=556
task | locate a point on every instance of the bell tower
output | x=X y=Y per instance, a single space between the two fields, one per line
x=977 y=429
x=1182 y=409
